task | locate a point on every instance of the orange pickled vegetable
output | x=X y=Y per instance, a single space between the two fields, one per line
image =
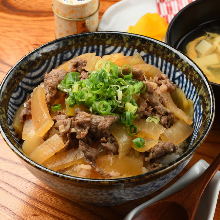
x=40 y=114
x=47 y=149
x=31 y=143
x=151 y=25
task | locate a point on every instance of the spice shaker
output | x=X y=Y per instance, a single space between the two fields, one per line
x=75 y=16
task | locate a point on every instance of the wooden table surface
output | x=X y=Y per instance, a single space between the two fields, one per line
x=24 y=26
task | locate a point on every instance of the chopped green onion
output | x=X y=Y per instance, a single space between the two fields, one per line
x=132 y=129
x=139 y=142
x=154 y=119
x=119 y=95
x=68 y=81
x=127 y=118
x=102 y=107
x=106 y=91
x=130 y=108
x=56 y=107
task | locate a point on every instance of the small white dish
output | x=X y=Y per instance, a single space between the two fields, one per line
x=209 y=199
x=122 y=14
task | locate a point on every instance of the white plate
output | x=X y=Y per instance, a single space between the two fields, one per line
x=125 y=13
x=209 y=199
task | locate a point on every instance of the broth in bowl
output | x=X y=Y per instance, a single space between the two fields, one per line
x=105 y=117
x=203 y=47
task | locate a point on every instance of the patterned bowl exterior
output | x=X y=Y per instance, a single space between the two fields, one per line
x=29 y=72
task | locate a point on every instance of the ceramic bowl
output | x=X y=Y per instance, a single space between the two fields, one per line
x=193 y=21
x=29 y=72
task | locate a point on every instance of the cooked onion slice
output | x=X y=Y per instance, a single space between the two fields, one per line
x=120 y=167
x=123 y=139
x=182 y=102
x=179 y=113
x=148 y=144
x=63 y=160
x=40 y=114
x=31 y=143
x=28 y=130
x=47 y=149
x=121 y=60
x=149 y=130
x=147 y=69
x=176 y=134
x=91 y=60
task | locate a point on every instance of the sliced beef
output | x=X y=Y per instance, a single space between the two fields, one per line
x=62 y=123
x=151 y=86
x=71 y=141
x=78 y=65
x=51 y=81
x=92 y=148
x=89 y=152
x=81 y=123
x=151 y=104
x=164 y=84
x=167 y=120
x=143 y=71
x=109 y=144
x=160 y=150
x=138 y=74
x=99 y=124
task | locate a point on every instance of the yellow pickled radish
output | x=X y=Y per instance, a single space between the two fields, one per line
x=47 y=149
x=151 y=25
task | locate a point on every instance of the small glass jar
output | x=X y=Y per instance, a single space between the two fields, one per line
x=75 y=16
